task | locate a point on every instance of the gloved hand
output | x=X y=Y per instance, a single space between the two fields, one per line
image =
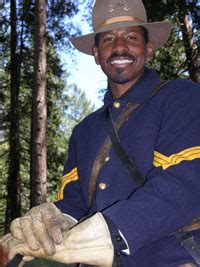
x=88 y=242
x=42 y=227
x=8 y=249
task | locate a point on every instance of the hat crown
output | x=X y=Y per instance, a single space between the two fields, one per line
x=107 y=9
x=108 y=15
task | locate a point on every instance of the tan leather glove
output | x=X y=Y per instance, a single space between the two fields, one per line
x=42 y=227
x=88 y=242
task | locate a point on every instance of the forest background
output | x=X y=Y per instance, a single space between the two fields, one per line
x=39 y=107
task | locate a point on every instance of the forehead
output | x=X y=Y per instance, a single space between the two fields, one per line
x=123 y=30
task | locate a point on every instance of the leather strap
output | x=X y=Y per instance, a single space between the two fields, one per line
x=126 y=161
x=15 y=261
x=104 y=150
x=189 y=243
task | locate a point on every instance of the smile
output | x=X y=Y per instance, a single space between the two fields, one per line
x=121 y=61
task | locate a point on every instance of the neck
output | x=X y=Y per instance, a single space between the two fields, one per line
x=118 y=89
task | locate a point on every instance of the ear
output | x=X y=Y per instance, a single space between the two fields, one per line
x=150 y=51
x=95 y=54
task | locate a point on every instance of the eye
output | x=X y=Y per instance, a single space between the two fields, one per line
x=132 y=37
x=108 y=39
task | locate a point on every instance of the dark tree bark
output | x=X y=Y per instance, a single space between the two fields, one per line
x=190 y=47
x=13 y=208
x=187 y=15
x=39 y=110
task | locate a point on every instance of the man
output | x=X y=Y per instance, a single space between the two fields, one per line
x=159 y=132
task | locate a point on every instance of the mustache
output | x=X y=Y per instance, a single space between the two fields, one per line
x=124 y=54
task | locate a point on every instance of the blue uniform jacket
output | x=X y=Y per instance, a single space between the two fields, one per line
x=162 y=137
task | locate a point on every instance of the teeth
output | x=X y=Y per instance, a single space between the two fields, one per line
x=121 y=61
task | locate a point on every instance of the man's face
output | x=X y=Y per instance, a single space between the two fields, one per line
x=122 y=54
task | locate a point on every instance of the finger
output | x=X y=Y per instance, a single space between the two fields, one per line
x=15 y=229
x=66 y=222
x=43 y=237
x=52 y=226
x=5 y=239
x=12 y=246
x=28 y=233
x=13 y=249
x=33 y=211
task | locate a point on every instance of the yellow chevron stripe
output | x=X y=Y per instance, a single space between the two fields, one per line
x=165 y=162
x=70 y=173
x=72 y=177
x=67 y=178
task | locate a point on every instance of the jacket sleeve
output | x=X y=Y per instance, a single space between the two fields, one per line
x=170 y=198
x=69 y=197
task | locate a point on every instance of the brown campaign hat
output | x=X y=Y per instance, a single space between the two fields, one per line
x=112 y=14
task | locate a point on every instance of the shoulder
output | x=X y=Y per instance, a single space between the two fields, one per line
x=175 y=91
x=183 y=86
x=177 y=96
x=182 y=100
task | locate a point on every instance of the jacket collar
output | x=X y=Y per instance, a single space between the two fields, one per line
x=136 y=94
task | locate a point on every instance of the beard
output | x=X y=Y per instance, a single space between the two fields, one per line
x=120 y=77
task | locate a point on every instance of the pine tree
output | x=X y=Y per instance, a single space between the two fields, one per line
x=13 y=208
x=38 y=175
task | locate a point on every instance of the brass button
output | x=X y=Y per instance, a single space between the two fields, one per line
x=117 y=104
x=107 y=159
x=118 y=238
x=102 y=186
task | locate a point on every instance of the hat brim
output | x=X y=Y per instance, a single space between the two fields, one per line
x=159 y=33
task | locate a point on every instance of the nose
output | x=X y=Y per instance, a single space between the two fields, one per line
x=120 y=45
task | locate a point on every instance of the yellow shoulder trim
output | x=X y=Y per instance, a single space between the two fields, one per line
x=66 y=179
x=165 y=162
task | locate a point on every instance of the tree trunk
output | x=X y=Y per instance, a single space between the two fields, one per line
x=13 y=208
x=190 y=47
x=39 y=110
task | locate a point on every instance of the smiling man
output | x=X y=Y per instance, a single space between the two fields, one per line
x=122 y=55
x=129 y=195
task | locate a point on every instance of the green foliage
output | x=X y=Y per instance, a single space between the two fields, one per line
x=169 y=61
x=58 y=30
x=77 y=108
x=67 y=104
x=69 y=110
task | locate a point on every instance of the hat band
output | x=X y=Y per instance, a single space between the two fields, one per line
x=117 y=19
